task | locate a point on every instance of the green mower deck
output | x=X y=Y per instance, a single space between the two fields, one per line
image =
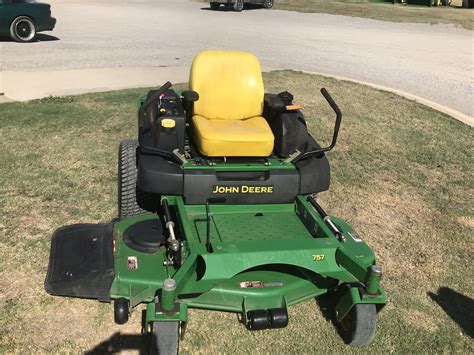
x=262 y=257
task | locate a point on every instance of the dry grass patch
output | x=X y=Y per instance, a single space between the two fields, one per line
x=385 y=12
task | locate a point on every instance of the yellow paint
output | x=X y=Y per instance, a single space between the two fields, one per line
x=227 y=118
x=318 y=257
x=168 y=123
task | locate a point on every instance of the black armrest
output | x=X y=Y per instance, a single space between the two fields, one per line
x=274 y=103
x=190 y=96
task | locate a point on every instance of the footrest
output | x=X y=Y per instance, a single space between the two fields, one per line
x=81 y=262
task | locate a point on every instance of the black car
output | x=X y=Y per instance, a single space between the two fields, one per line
x=23 y=19
x=238 y=5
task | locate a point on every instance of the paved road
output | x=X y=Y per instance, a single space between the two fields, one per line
x=431 y=61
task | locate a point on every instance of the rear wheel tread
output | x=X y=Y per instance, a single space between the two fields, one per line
x=127 y=180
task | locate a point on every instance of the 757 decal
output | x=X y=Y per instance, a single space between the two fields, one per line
x=318 y=257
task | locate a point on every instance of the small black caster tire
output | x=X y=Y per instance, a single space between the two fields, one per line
x=238 y=5
x=165 y=338
x=215 y=5
x=258 y=320
x=278 y=317
x=358 y=327
x=121 y=311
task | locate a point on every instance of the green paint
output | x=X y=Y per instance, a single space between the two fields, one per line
x=354 y=296
x=373 y=283
x=168 y=295
x=285 y=251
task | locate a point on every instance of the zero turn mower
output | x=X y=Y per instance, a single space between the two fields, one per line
x=218 y=210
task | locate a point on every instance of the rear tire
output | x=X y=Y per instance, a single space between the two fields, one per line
x=127 y=180
x=165 y=338
x=215 y=5
x=358 y=327
x=23 y=29
x=268 y=4
x=238 y=5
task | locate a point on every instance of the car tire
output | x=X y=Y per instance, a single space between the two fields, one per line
x=268 y=4
x=215 y=5
x=23 y=29
x=238 y=5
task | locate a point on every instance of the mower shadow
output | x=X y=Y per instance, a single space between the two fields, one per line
x=326 y=304
x=119 y=342
x=459 y=307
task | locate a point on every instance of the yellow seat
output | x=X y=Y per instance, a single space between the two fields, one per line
x=230 y=138
x=227 y=118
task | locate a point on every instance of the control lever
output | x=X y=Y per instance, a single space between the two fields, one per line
x=169 y=224
x=338 y=112
x=208 y=221
x=153 y=97
x=338 y=234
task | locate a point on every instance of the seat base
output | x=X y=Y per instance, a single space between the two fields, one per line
x=233 y=138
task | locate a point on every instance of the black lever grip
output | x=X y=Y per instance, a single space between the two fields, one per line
x=338 y=112
x=155 y=96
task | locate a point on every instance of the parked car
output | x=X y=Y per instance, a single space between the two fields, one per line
x=23 y=19
x=238 y=5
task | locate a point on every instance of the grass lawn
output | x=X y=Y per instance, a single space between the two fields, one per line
x=384 y=11
x=401 y=175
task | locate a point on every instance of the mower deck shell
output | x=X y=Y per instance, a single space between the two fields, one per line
x=263 y=257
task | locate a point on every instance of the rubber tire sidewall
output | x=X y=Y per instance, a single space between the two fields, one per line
x=363 y=325
x=268 y=4
x=13 y=33
x=238 y=5
x=127 y=180
x=165 y=338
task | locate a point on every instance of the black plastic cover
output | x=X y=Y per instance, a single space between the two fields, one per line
x=153 y=134
x=272 y=105
x=162 y=177
x=145 y=236
x=81 y=262
x=158 y=175
x=273 y=186
x=315 y=172
x=289 y=129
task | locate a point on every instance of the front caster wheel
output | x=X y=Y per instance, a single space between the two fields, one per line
x=165 y=338
x=359 y=325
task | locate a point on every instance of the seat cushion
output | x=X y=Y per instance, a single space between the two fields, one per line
x=229 y=84
x=233 y=138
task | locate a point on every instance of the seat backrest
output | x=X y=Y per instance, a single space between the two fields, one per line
x=229 y=84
